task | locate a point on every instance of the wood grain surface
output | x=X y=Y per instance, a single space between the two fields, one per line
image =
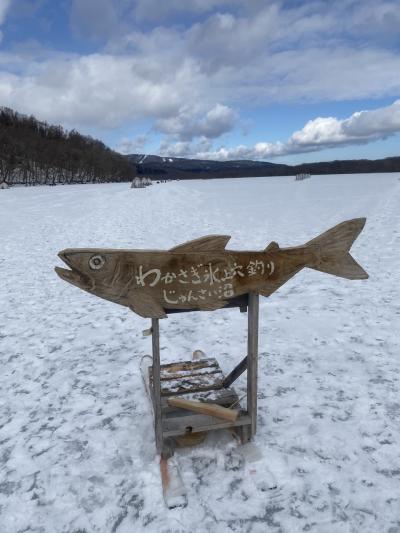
x=202 y=274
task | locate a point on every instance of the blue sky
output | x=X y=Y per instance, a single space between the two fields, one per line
x=282 y=81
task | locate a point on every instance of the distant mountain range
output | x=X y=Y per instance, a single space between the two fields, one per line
x=179 y=168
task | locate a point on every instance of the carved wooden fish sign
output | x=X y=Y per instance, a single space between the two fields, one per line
x=202 y=274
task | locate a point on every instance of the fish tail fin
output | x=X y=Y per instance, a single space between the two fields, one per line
x=331 y=250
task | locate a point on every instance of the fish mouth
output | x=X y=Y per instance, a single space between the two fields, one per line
x=72 y=275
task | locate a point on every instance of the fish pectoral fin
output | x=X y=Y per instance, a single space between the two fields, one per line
x=209 y=243
x=145 y=305
x=272 y=246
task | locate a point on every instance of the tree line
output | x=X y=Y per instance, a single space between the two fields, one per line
x=37 y=153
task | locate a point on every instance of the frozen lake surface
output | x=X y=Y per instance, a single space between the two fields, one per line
x=77 y=447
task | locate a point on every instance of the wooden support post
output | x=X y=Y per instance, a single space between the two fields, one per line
x=156 y=383
x=252 y=360
x=236 y=372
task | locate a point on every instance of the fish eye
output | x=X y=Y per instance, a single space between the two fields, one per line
x=96 y=262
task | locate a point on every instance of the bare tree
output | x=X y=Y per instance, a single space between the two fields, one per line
x=33 y=153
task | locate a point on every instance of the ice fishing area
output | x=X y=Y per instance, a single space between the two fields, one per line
x=77 y=450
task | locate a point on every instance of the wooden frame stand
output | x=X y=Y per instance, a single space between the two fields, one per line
x=203 y=381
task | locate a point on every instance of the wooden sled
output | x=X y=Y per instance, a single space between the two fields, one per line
x=191 y=398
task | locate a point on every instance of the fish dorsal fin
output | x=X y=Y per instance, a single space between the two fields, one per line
x=209 y=243
x=272 y=246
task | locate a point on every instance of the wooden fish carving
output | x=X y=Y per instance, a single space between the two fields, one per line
x=202 y=274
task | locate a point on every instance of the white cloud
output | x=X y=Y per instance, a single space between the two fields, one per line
x=154 y=10
x=190 y=123
x=377 y=18
x=96 y=19
x=313 y=74
x=262 y=150
x=323 y=132
x=361 y=127
x=226 y=40
x=97 y=90
x=185 y=149
x=132 y=146
x=159 y=81
x=4 y=6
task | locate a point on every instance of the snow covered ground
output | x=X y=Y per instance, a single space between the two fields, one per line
x=76 y=440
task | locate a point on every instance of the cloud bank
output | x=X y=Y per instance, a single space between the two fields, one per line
x=191 y=69
x=230 y=54
x=318 y=134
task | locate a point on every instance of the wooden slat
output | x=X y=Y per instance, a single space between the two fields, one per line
x=192 y=384
x=190 y=376
x=224 y=397
x=178 y=426
x=187 y=373
x=189 y=368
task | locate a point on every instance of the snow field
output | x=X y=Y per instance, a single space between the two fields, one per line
x=76 y=438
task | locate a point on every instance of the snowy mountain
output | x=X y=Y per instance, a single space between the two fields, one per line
x=175 y=167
